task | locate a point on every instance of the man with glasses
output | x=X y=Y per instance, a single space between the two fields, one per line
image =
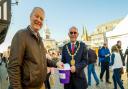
x=75 y=54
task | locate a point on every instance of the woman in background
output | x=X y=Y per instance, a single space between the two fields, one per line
x=117 y=64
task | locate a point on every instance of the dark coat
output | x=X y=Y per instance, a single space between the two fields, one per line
x=121 y=54
x=92 y=57
x=27 y=66
x=126 y=55
x=77 y=79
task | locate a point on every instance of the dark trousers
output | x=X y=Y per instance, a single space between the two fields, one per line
x=10 y=87
x=47 y=83
x=116 y=79
x=104 y=67
x=127 y=69
x=76 y=83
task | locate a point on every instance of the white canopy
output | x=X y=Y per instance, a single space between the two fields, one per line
x=119 y=33
x=120 y=29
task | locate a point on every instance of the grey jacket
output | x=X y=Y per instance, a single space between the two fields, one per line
x=27 y=66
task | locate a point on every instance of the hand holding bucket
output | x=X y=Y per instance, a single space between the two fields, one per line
x=64 y=74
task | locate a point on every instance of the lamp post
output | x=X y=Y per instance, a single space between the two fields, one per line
x=15 y=3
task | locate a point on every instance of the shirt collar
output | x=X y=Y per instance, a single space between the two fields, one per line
x=73 y=43
x=35 y=33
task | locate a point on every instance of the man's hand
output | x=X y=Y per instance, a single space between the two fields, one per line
x=73 y=69
x=60 y=64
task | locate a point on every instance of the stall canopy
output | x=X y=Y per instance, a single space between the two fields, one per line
x=120 y=32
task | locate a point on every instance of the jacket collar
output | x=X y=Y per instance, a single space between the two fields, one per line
x=33 y=34
x=76 y=45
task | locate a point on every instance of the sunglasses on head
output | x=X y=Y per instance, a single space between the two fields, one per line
x=73 y=33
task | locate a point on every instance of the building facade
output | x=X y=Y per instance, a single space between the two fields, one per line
x=49 y=43
x=98 y=37
x=5 y=18
x=85 y=37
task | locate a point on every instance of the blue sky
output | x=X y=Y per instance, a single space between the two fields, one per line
x=62 y=14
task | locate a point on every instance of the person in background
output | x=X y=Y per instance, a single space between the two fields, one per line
x=75 y=54
x=119 y=44
x=105 y=59
x=116 y=63
x=27 y=67
x=1 y=56
x=99 y=59
x=92 y=57
x=46 y=82
x=126 y=55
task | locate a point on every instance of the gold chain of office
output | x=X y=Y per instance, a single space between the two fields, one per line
x=72 y=55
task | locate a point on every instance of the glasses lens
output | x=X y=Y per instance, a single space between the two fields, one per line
x=73 y=33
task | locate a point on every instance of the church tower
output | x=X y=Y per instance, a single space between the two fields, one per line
x=47 y=32
x=84 y=36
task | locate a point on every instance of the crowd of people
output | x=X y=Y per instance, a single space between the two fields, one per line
x=30 y=64
x=114 y=58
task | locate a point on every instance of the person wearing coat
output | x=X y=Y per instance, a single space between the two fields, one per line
x=92 y=57
x=105 y=59
x=126 y=55
x=116 y=63
x=27 y=68
x=119 y=46
x=75 y=54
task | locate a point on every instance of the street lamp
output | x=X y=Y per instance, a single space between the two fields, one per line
x=16 y=2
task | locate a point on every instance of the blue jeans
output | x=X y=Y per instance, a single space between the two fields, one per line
x=116 y=79
x=91 y=69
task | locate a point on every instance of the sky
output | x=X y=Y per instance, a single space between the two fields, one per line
x=62 y=14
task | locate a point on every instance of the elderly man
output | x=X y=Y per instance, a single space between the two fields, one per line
x=75 y=54
x=27 y=66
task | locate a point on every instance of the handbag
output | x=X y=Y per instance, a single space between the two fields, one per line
x=121 y=70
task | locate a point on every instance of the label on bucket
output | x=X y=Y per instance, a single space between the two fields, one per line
x=62 y=75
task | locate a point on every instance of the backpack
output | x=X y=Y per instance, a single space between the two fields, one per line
x=92 y=57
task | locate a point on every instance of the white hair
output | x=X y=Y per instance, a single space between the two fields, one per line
x=36 y=8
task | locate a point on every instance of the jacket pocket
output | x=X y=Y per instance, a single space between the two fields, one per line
x=36 y=78
x=25 y=75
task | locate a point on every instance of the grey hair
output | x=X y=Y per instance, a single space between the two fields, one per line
x=73 y=27
x=37 y=8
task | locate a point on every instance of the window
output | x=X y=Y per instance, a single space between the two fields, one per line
x=0 y=12
x=5 y=11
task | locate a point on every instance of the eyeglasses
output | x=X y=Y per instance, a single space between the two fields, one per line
x=73 y=33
